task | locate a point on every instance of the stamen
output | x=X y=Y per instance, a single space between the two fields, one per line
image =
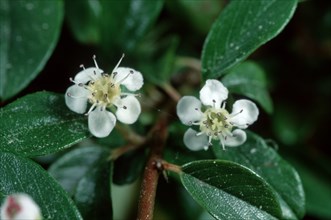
x=95 y=62
x=198 y=134
x=222 y=141
x=91 y=109
x=105 y=75
x=223 y=105
x=124 y=107
x=118 y=63
x=75 y=97
x=214 y=101
x=82 y=66
x=114 y=74
x=234 y=115
x=120 y=81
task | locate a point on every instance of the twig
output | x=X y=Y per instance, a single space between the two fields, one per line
x=151 y=173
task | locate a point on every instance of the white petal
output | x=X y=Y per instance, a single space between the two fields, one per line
x=101 y=123
x=239 y=137
x=76 y=98
x=130 y=78
x=189 y=109
x=88 y=74
x=195 y=142
x=213 y=93
x=28 y=209
x=248 y=115
x=129 y=111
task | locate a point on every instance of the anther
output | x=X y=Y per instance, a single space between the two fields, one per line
x=93 y=93
x=241 y=110
x=114 y=74
x=95 y=73
x=80 y=84
x=92 y=82
x=82 y=66
x=214 y=101
x=131 y=71
x=124 y=107
x=105 y=75
x=204 y=122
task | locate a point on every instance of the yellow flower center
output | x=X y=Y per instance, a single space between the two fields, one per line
x=215 y=122
x=104 y=90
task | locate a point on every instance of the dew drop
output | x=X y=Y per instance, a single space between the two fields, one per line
x=45 y=26
x=253 y=151
x=231 y=44
x=237 y=48
x=29 y=6
x=260 y=27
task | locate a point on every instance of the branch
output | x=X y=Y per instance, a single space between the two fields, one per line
x=152 y=170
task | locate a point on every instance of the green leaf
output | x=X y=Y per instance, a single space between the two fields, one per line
x=248 y=79
x=242 y=27
x=40 y=124
x=164 y=63
x=318 y=202
x=190 y=12
x=19 y=174
x=86 y=175
x=129 y=167
x=29 y=32
x=264 y=160
x=112 y=24
x=230 y=191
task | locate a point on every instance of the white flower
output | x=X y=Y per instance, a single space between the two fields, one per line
x=20 y=206
x=104 y=91
x=214 y=121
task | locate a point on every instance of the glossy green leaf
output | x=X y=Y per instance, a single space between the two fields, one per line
x=264 y=160
x=85 y=174
x=248 y=79
x=74 y=165
x=129 y=167
x=230 y=191
x=40 y=124
x=318 y=202
x=112 y=24
x=29 y=32
x=242 y=27
x=19 y=174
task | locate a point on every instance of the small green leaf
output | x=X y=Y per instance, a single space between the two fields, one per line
x=19 y=174
x=40 y=124
x=264 y=160
x=242 y=27
x=230 y=191
x=112 y=24
x=86 y=175
x=248 y=79
x=29 y=32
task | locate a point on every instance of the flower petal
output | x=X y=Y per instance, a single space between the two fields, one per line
x=130 y=78
x=101 y=122
x=129 y=111
x=189 y=109
x=195 y=142
x=238 y=138
x=213 y=93
x=76 y=98
x=88 y=74
x=244 y=113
